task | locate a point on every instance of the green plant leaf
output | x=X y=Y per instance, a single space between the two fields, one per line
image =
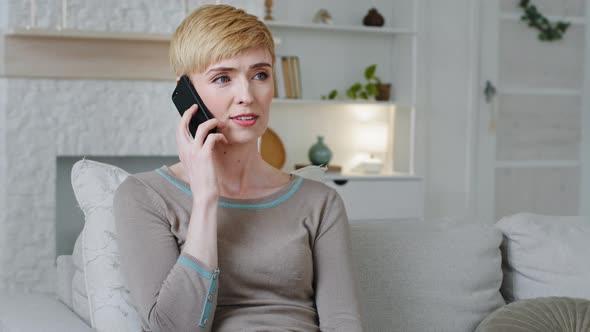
x=371 y=89
x=356 y=87
x=363 y=95
x=351 y=93
x=333 y=94
x=370 y=72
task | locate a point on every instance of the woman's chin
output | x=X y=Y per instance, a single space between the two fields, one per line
x=244 y=139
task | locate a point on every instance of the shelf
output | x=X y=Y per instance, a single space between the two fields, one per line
x=73 y=54
x=80 y=34
x=164 y=37
x=343 y=28
x=333 y=102
x=329 y=176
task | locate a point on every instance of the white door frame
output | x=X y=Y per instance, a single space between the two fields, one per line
x=584 y=203
x=483 y=184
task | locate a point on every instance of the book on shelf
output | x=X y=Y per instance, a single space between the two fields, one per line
x=287 y=77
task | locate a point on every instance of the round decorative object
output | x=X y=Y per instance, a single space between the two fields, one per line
x=544 y=314
x=373 y=18
x=272 y=149
x=320 y=153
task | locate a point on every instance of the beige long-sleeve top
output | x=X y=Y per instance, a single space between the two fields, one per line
x=284 y=259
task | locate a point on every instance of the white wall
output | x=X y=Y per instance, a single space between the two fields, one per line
x=446 y=123
x=585 y=117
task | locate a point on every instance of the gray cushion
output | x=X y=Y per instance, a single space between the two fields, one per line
x=545 y=256
x=427 y=276
x=21 y=312
x=548 y=314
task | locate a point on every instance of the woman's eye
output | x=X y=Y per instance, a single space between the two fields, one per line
x=221 y=79
x=261 y=76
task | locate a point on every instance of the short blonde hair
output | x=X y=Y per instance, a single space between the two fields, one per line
x=213 y=33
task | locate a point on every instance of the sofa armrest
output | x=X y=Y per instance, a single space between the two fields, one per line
x=21 y=312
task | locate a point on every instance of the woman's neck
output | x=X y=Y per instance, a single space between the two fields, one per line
x=238 y=167
x=241 y=172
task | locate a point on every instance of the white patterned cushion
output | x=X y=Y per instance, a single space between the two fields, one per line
x=79 y=296
x=94 y=184
x=545 y=256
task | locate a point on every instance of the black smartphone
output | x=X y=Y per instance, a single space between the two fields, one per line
x=184 y=96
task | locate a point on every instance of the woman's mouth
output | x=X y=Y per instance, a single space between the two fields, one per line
x=245 y=120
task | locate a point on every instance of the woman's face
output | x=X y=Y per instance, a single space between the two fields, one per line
x=238 y=91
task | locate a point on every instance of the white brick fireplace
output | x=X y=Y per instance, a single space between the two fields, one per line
x=44 y=119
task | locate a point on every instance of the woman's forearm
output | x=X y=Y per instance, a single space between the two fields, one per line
x=201 y=238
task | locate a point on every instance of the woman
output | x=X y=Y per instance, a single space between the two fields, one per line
x=222 y=240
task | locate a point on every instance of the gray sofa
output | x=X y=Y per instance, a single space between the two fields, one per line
x=435 y=275
x=412 y=276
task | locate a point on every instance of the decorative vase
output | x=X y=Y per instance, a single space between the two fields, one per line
x=320 y=153
x=373 y=18
x=383 y=91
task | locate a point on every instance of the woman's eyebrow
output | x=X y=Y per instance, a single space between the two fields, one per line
x=256 y=65
x=260 y=64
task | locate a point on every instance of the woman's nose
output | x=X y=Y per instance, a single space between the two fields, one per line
x=244 y=93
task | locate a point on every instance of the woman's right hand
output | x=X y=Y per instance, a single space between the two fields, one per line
x=196 y=154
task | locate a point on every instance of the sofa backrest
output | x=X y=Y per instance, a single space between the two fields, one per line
x=426 y=276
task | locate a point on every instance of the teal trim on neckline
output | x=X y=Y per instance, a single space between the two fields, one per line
x=174 y=182
x=264 y=205
x=235 y=205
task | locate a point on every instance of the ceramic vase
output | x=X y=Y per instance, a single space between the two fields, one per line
x=320 y=153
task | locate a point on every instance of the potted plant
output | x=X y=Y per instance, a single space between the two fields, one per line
x=372 y=88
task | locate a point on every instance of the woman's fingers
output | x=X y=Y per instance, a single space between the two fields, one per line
x=212 y=139
x=204 y=128
x=182 y=131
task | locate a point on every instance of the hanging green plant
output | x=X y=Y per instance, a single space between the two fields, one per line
x=548 y=31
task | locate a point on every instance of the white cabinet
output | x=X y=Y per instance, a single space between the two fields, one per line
x=380 y=197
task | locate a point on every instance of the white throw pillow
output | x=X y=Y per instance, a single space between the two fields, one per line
x=311 y=172
x=80 y=303
x=545 y=256
x=94 y=185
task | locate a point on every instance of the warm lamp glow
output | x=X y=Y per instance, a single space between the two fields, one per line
x=371 y=138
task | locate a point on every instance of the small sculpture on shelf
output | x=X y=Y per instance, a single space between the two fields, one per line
x=374 y=18
x=268 y=6
x=322 y=16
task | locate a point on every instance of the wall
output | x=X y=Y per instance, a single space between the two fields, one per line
x=447 y=27
x=585 y=122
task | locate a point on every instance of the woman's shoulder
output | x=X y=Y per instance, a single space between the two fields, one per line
x=317 y=190
x=139 y=187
